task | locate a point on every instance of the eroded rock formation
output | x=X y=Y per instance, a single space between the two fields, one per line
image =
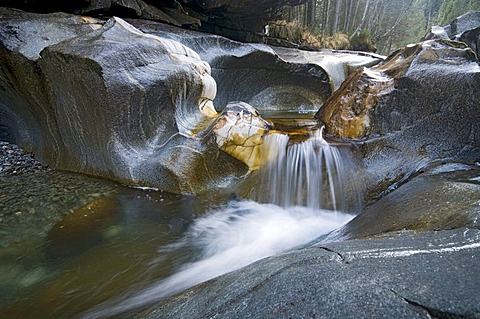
x=106 y=99
x=131 y=103
x=415 y=108
x=240 y=20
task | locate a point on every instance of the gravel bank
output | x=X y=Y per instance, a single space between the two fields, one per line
x=15 y=161
x=34 y=197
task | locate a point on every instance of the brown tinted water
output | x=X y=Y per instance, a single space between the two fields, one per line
x=76 y=246
x=70 y=242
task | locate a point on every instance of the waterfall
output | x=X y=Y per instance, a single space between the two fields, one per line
x=308 y=174
x=300 y=184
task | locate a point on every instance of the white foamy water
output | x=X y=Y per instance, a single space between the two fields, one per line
x=307 y=174
x=228 y=239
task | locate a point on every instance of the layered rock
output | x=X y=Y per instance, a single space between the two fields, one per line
x=417 y=107
x=240 y=20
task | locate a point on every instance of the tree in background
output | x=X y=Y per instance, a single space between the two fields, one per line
x=391 y=24
x=450 y=9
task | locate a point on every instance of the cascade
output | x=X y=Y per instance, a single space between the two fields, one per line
x=309 y=173
x=301 y=184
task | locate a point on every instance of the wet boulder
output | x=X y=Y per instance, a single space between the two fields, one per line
x=239 y=131
x=465 y=22
x=418 y=106
x=472 y=39
x=403 y=275
x=26 y=116
x=106 y=99
x=465 y=28
x=441 y=197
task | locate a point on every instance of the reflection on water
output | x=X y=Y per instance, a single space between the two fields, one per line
x=145 y=245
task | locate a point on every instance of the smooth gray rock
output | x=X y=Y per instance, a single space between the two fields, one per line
x=441 y=197
x=418 y=106
x=465 y=22
x=431 y=115
x=472 y=39
x=403 y=275
x=25 y=114
x=107 y=100
x=465 y=28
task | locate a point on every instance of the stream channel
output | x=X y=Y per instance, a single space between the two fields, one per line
x=115 y=250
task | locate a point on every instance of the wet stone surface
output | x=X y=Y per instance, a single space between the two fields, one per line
x=399 y=275
x=33 y=197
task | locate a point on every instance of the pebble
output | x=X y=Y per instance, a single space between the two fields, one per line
x=15 y=161
x=34 y=197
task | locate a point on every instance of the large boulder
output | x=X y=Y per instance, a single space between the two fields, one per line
x=130 y=104
x=417 y=107
x=24 y=97
x=108 y=100
x=465 y=28
x=368 y=278
x=442 y=197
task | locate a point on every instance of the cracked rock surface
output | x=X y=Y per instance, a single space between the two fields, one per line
x=379 y=277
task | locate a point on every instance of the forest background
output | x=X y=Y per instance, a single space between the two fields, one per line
x=370 y=25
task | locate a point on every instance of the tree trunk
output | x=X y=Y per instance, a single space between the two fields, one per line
x=348 y=15
x=326 y=21
x=362 y=22
x=311 y=12
x=336 y=16
x=353 y=23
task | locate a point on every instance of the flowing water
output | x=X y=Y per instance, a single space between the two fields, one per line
x=308 y=174
x=150 y=244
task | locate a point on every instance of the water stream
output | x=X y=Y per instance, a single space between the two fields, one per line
x=154 y=244
x=307 y=174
